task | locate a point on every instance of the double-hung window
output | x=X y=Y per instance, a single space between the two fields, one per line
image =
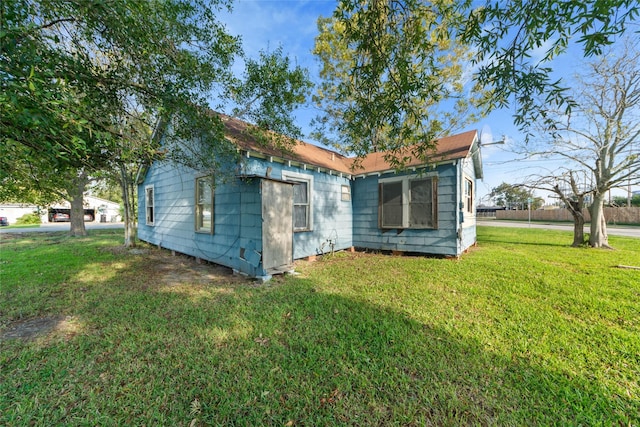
x=468 y=195
x=204 y=204
x=302 y=200
x=408 y=202
x=345 y=195
x=149 y=204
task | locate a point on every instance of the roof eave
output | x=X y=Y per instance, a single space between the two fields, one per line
x=476 y=157
x=412 y=168
x=296 y=163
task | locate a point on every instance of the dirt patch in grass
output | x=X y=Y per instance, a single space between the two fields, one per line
x=180 y=269
x=172 y=268
x=161 y=266
x=39 y=327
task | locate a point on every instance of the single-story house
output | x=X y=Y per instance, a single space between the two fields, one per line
x=284 y=206
x=95 y=209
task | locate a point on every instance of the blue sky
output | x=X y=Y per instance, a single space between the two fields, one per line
x=267 y=24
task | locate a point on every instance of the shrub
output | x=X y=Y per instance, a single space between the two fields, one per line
x=29 y=219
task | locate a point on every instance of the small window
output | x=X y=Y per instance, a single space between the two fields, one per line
x=204 y=204
x=408 y=202
x=301 y=206
x=346 y=193
x=421 y=203
x=149 y=204
x=392 y=215
x=302 y=200
x=468 y=194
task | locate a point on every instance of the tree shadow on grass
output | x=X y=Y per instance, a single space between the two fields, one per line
x=509 y=242
x=280 y=354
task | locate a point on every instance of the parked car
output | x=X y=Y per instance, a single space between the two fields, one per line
x=60 y=217
x=88 y=217
x=4 y=221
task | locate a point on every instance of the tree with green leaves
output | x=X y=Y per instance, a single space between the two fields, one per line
x=393 y=77
x=268 y=92
x=389 y=66
x=69 y=71
x=513 y=196
x=628 y=201
x=91 y=86
x=506 y=33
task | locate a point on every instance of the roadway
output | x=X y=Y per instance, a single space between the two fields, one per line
x=612 y=230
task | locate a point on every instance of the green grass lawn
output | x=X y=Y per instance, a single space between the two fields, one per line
x=523 y=330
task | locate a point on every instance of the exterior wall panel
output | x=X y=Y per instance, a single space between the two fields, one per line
x=332 y=217
x=468 y=223
x=336 y=224
x=238 y=215
x=441 y=241
x=174 y=226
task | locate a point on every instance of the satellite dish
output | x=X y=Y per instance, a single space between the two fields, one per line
x=486 y=136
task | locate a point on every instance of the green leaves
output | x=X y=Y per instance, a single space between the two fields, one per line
x=506 y=33
x=77 y=79
x=514 y=196
x=388 y=70
x=394 y=71
x=269 y=92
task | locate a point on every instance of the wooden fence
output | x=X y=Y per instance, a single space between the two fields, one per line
x=613 y=215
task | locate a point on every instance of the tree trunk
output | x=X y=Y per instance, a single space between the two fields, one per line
x=76 y=198
x=575 y=207
x=128 y=200
x=578 y=230
x=598 y=237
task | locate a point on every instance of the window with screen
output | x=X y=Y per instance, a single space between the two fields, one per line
x=408 y=202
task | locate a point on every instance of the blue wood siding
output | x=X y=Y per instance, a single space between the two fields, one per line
x=468 y=229
x=238 y=215
x=332 y=217
x=442 y=241
x=237 y=238
x=237 y=219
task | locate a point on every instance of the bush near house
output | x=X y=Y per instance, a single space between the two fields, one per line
x=522 y=330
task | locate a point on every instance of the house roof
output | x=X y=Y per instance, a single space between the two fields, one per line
x=448 y=148
x=302 y=152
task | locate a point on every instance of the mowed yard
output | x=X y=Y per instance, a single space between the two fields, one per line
x=522 y=330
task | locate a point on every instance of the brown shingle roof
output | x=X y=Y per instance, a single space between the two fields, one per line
x=447 y=148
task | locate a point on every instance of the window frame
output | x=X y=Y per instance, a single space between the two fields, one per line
x=308 y=179
x=199 y=207
x=345 y=196
x=468 y=194
x=149 y=208
x=406 y=202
